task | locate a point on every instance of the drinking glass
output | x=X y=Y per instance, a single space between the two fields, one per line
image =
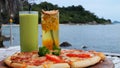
x=28 y=31
x=50 y=28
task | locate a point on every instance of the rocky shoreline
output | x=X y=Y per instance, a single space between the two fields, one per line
x=2 y=39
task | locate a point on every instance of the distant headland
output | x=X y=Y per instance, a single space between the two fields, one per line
x=116 y=22
x=68 y=15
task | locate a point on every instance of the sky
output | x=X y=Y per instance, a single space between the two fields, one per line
x=108 y=9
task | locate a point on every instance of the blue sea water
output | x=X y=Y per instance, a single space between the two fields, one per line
x=105 y=38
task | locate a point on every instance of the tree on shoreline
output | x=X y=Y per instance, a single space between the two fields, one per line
x=8 y=9
x=72 y=14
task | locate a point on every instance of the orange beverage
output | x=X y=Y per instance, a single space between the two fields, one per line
x=50 y=28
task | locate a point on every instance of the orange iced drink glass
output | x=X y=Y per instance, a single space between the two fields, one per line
x=50 y=28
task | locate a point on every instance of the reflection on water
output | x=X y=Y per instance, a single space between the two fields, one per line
x=96 y=37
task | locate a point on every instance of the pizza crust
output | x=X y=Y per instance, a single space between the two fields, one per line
x=18 y=65
x=7 y=61
x=41 y=66
x=85 y=63
x=13 y=65
x=58 y=65
x=100 y=54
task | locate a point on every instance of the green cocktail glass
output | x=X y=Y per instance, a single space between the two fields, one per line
x=28 y=31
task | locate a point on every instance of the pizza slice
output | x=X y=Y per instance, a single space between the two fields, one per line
x=82 y=59
x=66 y=59
x=32 y=60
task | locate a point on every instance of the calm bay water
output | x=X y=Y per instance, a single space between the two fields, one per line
x=104 y=38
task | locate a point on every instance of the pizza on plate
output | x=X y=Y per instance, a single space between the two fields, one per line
x=66 y=59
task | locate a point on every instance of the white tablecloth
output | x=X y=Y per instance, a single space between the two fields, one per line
x=4 y=52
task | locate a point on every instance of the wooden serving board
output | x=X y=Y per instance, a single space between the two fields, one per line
x=105 y=64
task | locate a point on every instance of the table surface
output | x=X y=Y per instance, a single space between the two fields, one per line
x=4 y=52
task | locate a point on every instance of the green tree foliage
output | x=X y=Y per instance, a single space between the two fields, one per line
x=71 y=14
x=9 y=9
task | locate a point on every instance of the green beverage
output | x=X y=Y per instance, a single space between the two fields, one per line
x=28 y=31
